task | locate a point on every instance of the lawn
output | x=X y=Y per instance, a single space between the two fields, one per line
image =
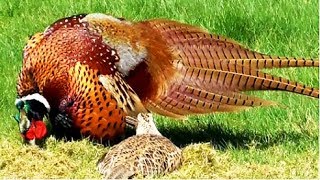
x=271 y=142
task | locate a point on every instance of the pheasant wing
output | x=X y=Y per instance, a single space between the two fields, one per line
x=123 y=93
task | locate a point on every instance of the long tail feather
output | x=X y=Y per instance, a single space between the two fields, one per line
x=179 y=105
x=213 y=71
x=243 y=79
x=229 y=98
x=200 y=48
x=273 y=62
x=213 y=56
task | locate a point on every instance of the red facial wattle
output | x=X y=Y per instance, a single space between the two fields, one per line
x=37 y=130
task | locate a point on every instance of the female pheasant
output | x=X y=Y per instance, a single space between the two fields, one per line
x=148 y=153
x=89 y=72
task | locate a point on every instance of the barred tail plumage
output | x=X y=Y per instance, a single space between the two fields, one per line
x=213 y=72
x=243 y=79
x=274 y=62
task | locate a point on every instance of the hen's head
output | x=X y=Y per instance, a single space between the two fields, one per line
x=146 y=124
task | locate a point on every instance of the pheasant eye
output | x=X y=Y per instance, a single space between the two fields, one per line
x=20 y=105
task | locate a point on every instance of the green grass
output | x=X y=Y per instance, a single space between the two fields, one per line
x=272 y=142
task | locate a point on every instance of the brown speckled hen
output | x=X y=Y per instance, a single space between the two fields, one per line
x=147 y=154
x=88 y=72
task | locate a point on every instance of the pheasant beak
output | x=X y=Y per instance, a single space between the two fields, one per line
x=24 y=122
x=24 y=125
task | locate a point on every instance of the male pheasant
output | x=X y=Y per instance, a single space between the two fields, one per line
x=89 y=72
x=148 y=153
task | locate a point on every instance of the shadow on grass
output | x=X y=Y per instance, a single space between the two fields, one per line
x=222 y=137
x=219 y=135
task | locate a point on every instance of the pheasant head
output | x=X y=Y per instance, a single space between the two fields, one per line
x=32 y=109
